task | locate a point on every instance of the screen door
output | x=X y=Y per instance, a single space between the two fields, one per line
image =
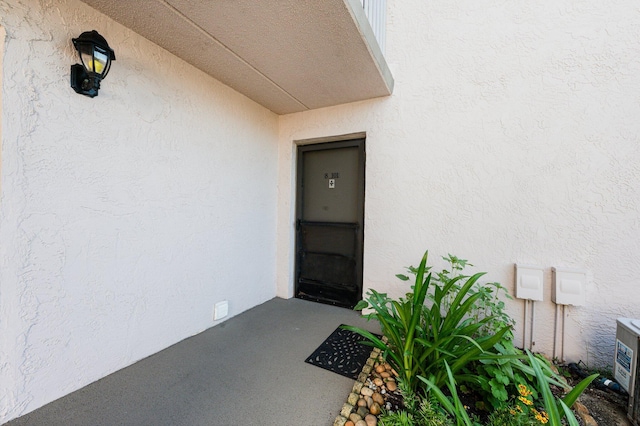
x=330 y=215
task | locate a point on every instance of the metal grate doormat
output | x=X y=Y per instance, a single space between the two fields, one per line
x=342 y=353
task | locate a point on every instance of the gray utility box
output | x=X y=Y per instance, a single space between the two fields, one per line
x=626 y=371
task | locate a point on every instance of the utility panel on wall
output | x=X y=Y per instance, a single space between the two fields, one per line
x=568 y=286
x=529 y=282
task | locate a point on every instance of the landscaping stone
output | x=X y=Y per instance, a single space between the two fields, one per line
x=346 y=410
x=341 y=421
x=362 y=412
x=371 y=420
x=375 y=409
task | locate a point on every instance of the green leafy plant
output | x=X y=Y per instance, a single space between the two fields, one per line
x=520 y=412
x=399 y=321
x=498 y=376
x=417 y=412
x=453 y=405
x=503 y=368
x=557 y=408
x=421 y=338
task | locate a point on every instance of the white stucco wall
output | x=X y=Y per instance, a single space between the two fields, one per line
x=512 y=136
x=123 y=218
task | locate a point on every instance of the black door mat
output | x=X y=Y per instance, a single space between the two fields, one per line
x=342 y=353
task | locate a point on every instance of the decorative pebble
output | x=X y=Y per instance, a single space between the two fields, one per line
x=380 y=369
x=392 y=386
x=361 y=423
x=362 y=412
x=354 y=417
x=371 y=420
x=387 y=367
x=369 y=401
x=362 y=402
x=349 y=423
x=375 y=409
x=378 y=398
x=366 y=391
x=385 y=375
x=378 y=381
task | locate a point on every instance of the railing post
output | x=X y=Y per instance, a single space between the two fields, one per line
x=376 y=11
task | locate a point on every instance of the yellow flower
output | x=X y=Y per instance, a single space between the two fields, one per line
x=525 y=401
x=542 y=419
x=523 y=391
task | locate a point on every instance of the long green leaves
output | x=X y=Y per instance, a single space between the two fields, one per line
x=400 y=321
x=421 y=338
x=558 y=408
x=452 y=404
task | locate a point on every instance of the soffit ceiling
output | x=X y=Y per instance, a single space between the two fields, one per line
x=287 y=55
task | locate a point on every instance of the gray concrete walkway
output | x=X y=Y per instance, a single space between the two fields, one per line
x=247 y=371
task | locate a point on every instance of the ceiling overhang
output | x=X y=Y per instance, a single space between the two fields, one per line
x=287 y=55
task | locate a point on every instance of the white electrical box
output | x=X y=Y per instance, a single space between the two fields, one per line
x=625 y=363
x=568 y=286
x=529 y=282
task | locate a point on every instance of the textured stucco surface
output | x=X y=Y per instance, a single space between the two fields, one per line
x=512 y=136
x=123 y=218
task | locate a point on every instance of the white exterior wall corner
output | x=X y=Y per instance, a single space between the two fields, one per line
x=511 y=137
x=123 y=218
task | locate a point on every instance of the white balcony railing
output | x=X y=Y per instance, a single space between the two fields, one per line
x=376 y=11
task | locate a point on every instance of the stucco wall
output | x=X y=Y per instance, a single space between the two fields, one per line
x=123 y=218
x=512 y=136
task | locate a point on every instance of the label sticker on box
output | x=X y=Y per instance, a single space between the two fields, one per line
x=624 y=357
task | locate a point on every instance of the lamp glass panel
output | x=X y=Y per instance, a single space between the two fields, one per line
x=93 y=60
x=86 y=56
x=99 y=61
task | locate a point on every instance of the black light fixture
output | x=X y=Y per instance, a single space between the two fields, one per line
x=96 y=56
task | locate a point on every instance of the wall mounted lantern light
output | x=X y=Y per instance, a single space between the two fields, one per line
x=96 y=56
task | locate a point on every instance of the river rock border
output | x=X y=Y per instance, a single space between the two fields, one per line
x=352 y=400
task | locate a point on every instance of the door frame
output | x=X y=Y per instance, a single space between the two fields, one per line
x=346 y=142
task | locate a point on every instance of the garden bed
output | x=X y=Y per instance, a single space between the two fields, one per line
x=595 y=407
x=451 y=340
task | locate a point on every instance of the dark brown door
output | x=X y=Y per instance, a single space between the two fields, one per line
x=330 y=215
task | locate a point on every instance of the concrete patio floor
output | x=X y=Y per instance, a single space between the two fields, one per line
x=249 y=370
